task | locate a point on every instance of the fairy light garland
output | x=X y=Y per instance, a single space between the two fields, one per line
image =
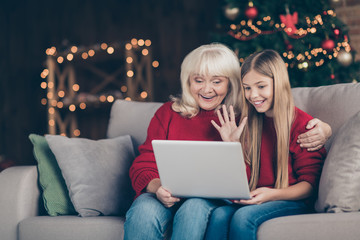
x=59 y=99
x=250 y=29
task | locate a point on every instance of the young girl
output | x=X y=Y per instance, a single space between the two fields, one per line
x=282 y=176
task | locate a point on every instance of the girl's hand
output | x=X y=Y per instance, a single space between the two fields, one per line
x=315 y=138
x=258 y=196
x=166 y=198
x=228 y=130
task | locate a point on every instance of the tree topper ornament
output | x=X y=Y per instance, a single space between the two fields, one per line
x=289 y=21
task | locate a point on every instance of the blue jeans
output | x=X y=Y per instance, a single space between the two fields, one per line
x=148 y=218
x=241 y=222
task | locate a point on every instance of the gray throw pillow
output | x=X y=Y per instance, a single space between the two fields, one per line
x=95 y=172
x=339 y=189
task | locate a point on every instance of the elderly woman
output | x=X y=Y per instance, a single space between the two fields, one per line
x=210 y=78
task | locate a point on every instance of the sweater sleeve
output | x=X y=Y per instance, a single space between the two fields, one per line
x=143 y=168
x=306 y=165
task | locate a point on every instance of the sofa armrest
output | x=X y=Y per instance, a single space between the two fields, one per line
x=19 y=198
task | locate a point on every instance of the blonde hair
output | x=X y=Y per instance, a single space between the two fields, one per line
x=214 y=60
x=269 y=63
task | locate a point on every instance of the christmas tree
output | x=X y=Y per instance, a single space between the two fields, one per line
x=314 y=43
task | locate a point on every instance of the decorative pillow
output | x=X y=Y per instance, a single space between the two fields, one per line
x=96 y=173
x=54 y=192
x=339 y=189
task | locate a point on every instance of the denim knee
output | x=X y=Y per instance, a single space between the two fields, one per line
x=147 y=218
x=191 y=219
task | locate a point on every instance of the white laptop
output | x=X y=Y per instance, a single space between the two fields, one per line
x=208 y=169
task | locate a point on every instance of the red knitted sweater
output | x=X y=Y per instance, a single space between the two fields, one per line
x=167 y=124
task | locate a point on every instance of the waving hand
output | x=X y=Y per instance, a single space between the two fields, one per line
x=229 y=130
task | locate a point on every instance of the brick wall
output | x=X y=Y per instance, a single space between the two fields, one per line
x=349 y=12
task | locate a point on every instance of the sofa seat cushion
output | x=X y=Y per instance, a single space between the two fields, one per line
x=71 y=227
x=329 y=226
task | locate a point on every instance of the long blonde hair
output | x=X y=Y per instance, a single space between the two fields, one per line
x=268 y=63
x=214 y=60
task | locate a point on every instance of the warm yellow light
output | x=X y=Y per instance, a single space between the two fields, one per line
x=76 y=132
x=143 y=94
x=84 y=55
x=48 y=51
x=141 y=42
x=147 y=42
x=50 y=95
x=43 y=101
x=51 y=51
x=51 y=122
x=72 y=107
x=76 y=87
x=43 y=85
x=155 y=64
x=91 y=52
x=63 y=134
x=129 y=60
x=60 y=59
x=53 y=103
x=128 y=46
x=103 y=46
x=60 y=104
x=50 y=85
x=130 y=73
x=102 y=98
x=110 y=50
x=128 y=99
x=145 y=52
x=51 y=110
x=74 y=49
x=70 y=57
x=61 y=93
x=123 y=88
x=82 y=105
x=110 y=99
x=133 y=41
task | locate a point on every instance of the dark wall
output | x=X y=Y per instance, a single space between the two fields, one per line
x=28 y=27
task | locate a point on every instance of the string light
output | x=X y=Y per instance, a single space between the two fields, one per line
x=58 y=100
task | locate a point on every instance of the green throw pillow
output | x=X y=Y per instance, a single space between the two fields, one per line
x=55 y=193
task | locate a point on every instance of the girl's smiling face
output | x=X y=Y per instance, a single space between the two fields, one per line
x=208 y=91
x=259 y=91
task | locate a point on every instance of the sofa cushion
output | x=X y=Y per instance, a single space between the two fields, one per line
x=339 y=189
x=71 y=227
x=131 y=118
x=54 y=191
x=333 y=104
x=321 y=226
x=95 y=172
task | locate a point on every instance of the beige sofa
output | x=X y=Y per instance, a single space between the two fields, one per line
x=339 y=194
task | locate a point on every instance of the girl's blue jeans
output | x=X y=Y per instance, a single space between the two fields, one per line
x=241 y=222
x=148 y=218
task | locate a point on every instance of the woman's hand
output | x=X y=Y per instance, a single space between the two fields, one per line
x=228 y=130
x=161 y=193
x=166 y=198
x=315 y=138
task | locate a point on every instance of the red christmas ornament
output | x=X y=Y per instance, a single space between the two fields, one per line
x=337 y=31
x=328 y=44
x=251 y=12
x=289 y=46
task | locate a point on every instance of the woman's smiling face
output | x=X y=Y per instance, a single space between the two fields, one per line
x=208 y=91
